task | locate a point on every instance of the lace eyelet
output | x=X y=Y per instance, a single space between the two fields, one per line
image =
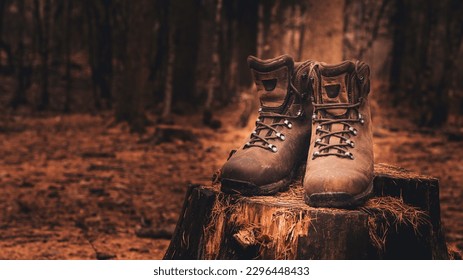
x=318 y=140
x=314 y=117
x=288 y=124
x=350 y=155
x=319 y=128
x=361 y=119
x=315 y=154
x=273 y=148
x=246 y=145
x=350 y=143
x=353 y=130
x=281 y=136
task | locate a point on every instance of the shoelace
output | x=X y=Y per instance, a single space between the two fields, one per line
x=341 y=149
x=257 y=140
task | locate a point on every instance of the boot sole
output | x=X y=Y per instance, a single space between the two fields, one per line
x=231 y=186
x=338 y=199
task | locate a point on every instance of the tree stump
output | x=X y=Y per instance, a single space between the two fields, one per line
x=402 y=221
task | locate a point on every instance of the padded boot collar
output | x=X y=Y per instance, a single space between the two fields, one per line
x=272 y=78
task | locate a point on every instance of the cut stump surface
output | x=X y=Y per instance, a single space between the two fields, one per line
x=402 y=221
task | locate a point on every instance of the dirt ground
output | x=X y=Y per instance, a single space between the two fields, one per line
x=79 y=187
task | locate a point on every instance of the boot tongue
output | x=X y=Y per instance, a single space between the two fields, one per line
x=272 y=80
x=334 y=81
x=334 y=89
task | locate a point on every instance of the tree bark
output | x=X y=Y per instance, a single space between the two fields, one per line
x=226 y=47
x=426 y=43
x=168 y=88
x=362 y=23
x=185 y=17
x=399 y=38
x=43 y=31
x=158 y=64
x=247 y=28
x=212 y=83
x=106 y=53
x=133 y=66
x=20 y=93
x=2 y=12
x=68 y=74
x=98 y=15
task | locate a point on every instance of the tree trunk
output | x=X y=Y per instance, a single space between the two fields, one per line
x=266 y=17
x=67 y=39
x=302 y=29
x=402 y=221
x=3 y=45
x=2 y=12
x=212 y=83
x=426 y=43
x=226 y=47
x=450 y=74
x=399 y=38
x=362 y=22
x=185 y=17
x=105 y=53
x=168 y=87
x=43 y=31
x=91 y=43
x=133 y=63
x=98 y=15
x=158 y=64
x=247 y=29
x=20 y=93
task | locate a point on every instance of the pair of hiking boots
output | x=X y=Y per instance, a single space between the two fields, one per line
x=309 y=112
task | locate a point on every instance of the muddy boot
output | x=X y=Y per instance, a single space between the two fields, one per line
x=270 y=158
x=339 y=170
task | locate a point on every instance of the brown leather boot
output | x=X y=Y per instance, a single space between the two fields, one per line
x=269 y=160
x=339 y=170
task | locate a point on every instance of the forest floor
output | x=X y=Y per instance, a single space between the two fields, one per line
x=78 y=187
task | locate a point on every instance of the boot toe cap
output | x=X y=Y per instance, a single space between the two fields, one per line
x=246 y=170
x=337 y=189
x=249 y=176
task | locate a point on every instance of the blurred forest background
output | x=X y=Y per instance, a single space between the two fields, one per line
x=77 y=78
x=190 y=56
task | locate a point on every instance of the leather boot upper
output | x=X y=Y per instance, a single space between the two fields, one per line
x=340 y=158
x=279 y=142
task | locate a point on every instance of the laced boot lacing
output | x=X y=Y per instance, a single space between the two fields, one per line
x=323 y=129
x=270 y=130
